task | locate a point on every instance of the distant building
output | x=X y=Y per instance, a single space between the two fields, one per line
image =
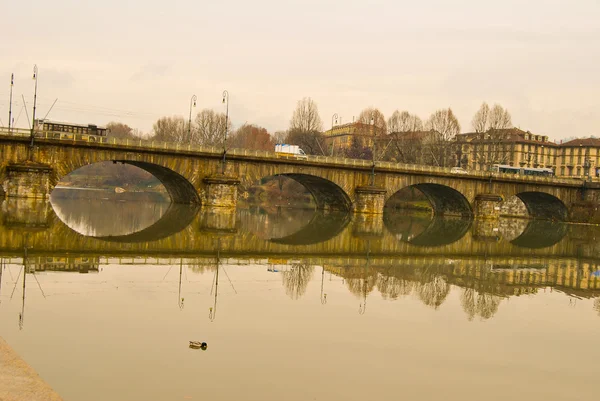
x=481 y=150
x=579 y=158
x=512 y=146
x=340 y=137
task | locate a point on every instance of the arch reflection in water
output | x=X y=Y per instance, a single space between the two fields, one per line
x=294 y=226
x=426 y=230
x=124 y=221
x=541 y=234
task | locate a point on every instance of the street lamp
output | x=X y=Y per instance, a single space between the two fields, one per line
x=35 y=77
x=226 y=102
x=192 y=103
x=12 y=82
x=333 y=117
x=373 y=151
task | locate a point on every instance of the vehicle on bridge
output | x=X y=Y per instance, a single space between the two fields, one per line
x=506 y=169
x=69 y=128
x=293 y=151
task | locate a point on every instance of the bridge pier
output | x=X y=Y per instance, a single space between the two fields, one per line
x=369 y=200
x=367 y=225
x=27 y=180
x=220 y=191
x=487 y=206
x=25 y=214
x=218 y=220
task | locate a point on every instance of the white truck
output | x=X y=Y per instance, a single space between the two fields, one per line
x=292 y=151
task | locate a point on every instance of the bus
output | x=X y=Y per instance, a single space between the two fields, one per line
x=69 y=128
x=506 y=169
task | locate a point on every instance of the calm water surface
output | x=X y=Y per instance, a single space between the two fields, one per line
x=102 y=299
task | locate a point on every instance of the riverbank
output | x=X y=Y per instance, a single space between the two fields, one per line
x=18 y=380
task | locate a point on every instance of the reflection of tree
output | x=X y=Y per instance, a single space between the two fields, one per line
x=597 y=305
x=361 y=286
x=480 y=304
x=433 y=292
x=393 y=287
x=295 y=280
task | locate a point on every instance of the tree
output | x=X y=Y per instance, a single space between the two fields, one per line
x=306 y=117
x=296 y=279
x=120 y=130
x=403 y=121
x=499 y=118
x=209 y=128
x=358 y=149
x=280 y=136
x=312 y=142
x=445 y=123
x=486 y=119
x=250 y=136
x=373 y=117
x=445 y=126
x=481 y=118
x=170 y=129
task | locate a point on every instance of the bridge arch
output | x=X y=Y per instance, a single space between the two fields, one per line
x=179 y=188
x=541 y=205
x=327 y=194
x=443 y=199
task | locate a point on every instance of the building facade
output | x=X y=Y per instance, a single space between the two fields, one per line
x=578 y=158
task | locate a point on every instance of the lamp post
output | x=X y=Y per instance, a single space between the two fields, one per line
x=226 y=102
x=373 y=151
x=333 y=117
x=35 y=77
x=192 y=104
x=12 y=82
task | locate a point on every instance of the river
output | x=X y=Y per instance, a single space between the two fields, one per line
x=102 y=299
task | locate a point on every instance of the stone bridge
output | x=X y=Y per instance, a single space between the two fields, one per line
x=200 y=175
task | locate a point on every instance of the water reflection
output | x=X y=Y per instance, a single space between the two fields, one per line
x=425 y=229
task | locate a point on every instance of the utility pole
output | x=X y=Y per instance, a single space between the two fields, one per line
x=12 y=82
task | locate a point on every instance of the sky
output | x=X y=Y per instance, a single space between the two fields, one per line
x=136 y=61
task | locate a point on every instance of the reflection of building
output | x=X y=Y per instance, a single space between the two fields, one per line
x=64 y=264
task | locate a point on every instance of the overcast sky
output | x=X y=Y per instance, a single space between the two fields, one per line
x=135 y=61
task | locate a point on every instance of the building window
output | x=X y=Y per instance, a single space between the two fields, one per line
x=562 y=170
x=578 y=171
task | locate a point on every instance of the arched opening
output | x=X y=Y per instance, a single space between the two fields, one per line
x=126 y=201
x=443 y=200
x=541 y=205
x=294 y=209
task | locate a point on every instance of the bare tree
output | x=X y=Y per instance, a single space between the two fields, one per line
x=480 y=120
x=296 y=279
x=499 y=118
x=209 y=128
x=279 y=136
x=312 y=142
x=403 y=121
x=170 y=129
x=445 y=126
x=375 y=118
x=445 y=123
x=306 y=117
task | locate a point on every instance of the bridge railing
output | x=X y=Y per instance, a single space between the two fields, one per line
x=337 y=161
